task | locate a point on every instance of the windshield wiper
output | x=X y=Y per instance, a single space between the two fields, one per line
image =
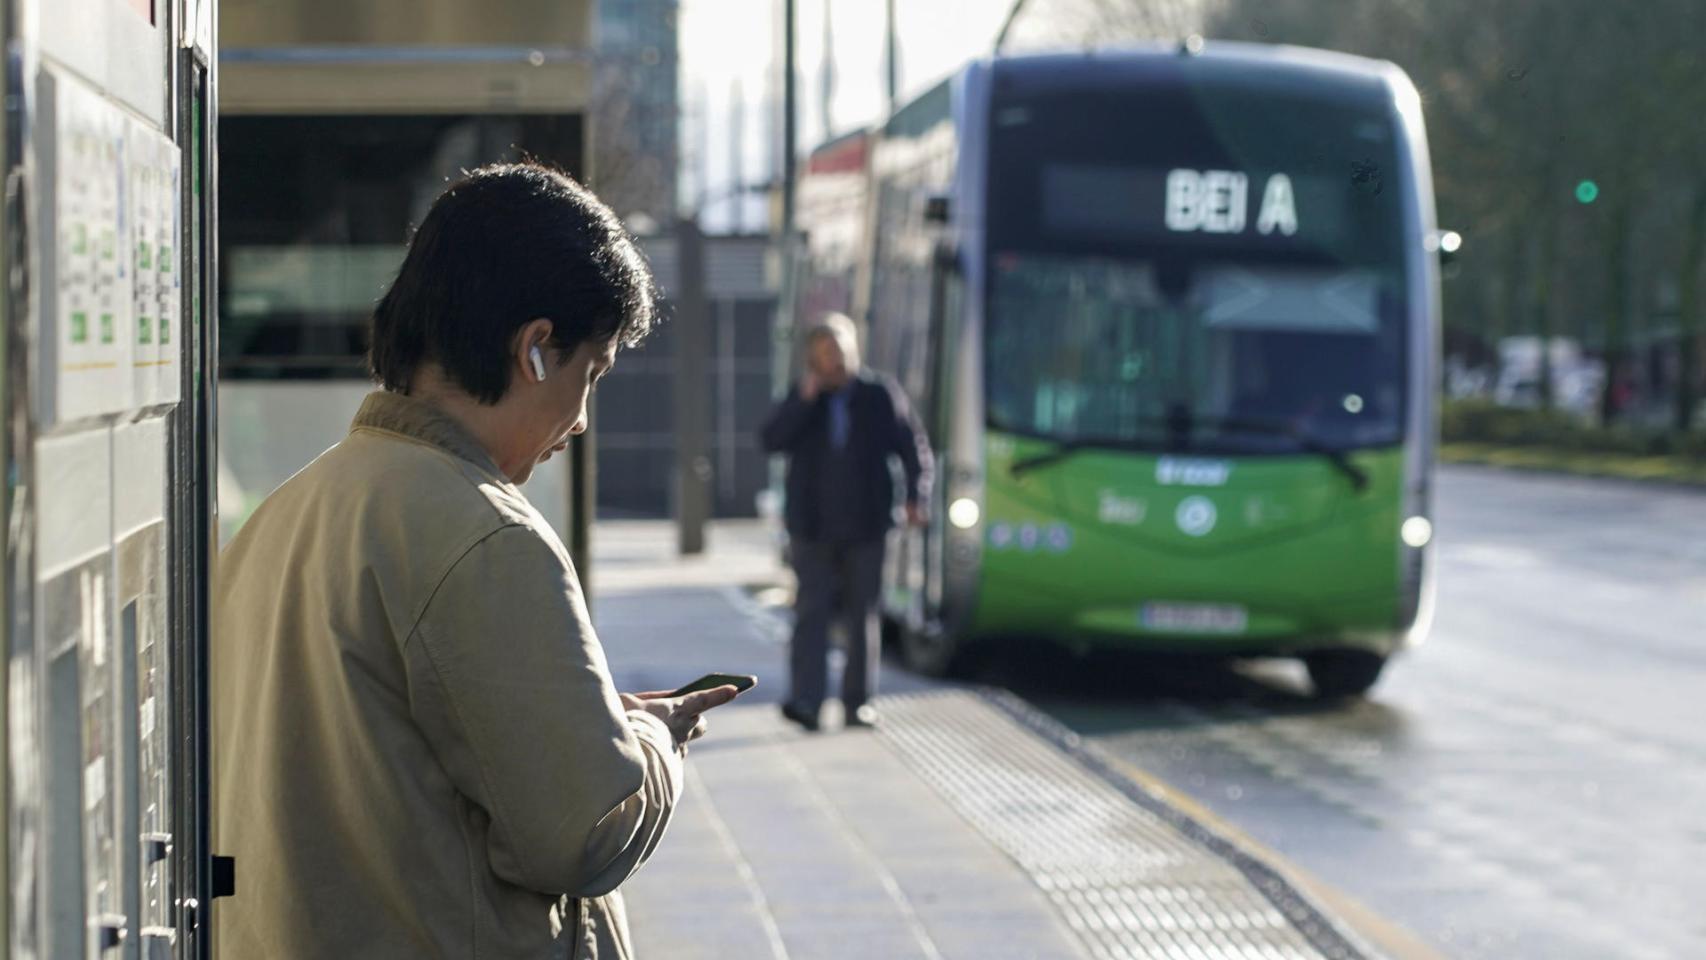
x=1064 y=449
x=1303 y=438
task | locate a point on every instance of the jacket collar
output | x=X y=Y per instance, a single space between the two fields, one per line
x=421 y=421
x=854 y=384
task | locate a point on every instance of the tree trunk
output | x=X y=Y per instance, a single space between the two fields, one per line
x=1617 y=253
x=1510 y=292
x=1548 y=252
x=1688 y=311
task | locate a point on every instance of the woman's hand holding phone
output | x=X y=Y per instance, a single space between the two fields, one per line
x=682 y=710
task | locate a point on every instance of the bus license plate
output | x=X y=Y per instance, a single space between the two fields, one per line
x=1195 y=617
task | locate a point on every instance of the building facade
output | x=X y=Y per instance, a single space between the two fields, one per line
x=635 y=429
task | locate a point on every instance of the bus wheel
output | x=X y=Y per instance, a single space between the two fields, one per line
x=929 y=651
x=1343 y=673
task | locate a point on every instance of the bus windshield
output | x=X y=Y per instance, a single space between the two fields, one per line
x=1234 y=285
x=1095 y=347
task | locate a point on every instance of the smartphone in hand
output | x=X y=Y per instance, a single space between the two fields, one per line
x=710 y=681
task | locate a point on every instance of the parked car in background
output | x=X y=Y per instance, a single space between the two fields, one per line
x=1576 y=379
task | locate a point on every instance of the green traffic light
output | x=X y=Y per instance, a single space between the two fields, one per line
x=1587 y=191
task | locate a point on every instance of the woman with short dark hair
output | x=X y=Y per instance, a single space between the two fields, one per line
x=419 y=751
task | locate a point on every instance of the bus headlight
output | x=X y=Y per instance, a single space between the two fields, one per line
x=1416 y=532
x=964 y=513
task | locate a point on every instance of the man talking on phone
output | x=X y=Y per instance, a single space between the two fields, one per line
x=841 y=427
x=419 y=752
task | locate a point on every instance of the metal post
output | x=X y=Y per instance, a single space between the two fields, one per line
x=1007 y=24
x=582 y=485
x=783 y=331
x=702 y=149
x=692 y=356
x=728 y=370
x=737 y=157
x=583 y=502
x=197 y=498
x=826 y=75
x=693 y=352
x=790 y=126
x=891 y=59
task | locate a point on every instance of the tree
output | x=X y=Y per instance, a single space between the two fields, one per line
x=1087 y=23
x=1680 y=71
x=1525 y=102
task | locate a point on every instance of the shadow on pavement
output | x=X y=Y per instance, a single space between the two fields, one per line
x=1105 y=692
x=1112 y=691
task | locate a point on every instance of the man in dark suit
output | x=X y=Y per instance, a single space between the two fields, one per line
x=839 y=428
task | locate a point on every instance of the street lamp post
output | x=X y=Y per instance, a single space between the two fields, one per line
x=891 y=59
x=1007 y=24
x=692 y=347
x=783 y=332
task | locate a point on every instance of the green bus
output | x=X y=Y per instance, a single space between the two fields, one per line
x=1172 y=319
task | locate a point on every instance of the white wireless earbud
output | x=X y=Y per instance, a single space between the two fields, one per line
x=538 y=363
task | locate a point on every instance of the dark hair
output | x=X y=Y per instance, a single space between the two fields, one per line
x=505 y=245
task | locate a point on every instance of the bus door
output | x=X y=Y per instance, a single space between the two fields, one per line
x=936 y=410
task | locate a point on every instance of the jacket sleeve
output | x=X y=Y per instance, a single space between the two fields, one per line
x=787 y=422
x=509 y=684
x=912 y=445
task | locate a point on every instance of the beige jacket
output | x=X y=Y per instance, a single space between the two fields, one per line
x=418 y=749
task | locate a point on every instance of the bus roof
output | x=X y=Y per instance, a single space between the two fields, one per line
x=1285 y=69
x=1304 y=71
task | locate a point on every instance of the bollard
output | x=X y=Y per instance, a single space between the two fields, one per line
x=692 y=352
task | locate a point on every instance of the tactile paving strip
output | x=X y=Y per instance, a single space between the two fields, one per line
x=1134 y=876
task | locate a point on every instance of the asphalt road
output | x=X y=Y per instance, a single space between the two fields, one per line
x=1529 y=783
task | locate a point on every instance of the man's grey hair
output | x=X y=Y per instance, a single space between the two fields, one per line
x=840 y=328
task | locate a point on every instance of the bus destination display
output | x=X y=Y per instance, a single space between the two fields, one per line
x=1265 y=209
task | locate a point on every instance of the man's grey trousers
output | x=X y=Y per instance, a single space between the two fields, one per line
x=837 y=580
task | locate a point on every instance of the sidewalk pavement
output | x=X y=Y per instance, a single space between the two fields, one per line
x=966 y=826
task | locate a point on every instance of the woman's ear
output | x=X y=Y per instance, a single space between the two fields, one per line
x=534 y=335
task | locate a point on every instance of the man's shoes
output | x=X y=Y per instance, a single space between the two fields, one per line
x=806 y=719
x=863 y=715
